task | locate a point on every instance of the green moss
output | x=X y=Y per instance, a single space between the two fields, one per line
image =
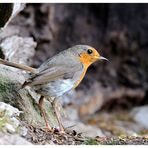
x=3 y=85
x=90 y=141
x=143 y=132
x=6 y=86
x=3 y=121
x=32 y=115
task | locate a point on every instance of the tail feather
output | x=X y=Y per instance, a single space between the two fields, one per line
x=19 y=66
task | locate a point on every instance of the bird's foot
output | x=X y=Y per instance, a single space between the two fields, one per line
x=48 y=129
x=54 y=130
x=59 y=130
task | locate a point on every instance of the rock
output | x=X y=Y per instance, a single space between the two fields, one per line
x=116 y=123
x=23 y=131
x=15 y=47
x=129 y=128
x=9 y=110
x=9 y=139
x=86 y=130
x=140 y=115
x=10 y=128
x=10 y=31
x=9 y=123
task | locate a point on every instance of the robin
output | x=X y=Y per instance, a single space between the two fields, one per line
x=59 y=74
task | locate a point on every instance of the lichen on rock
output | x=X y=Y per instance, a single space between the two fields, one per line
x=8 y=118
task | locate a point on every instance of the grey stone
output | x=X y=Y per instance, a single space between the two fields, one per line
x=140 y=115
x=9 y=139
x=86 y=130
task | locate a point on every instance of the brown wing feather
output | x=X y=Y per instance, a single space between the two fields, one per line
x=52 y=74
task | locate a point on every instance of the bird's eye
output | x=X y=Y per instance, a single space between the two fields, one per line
x=89 y=51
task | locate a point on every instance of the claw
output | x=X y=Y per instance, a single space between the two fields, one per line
x=48 y=129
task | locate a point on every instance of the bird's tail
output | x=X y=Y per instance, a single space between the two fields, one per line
x=19 y=66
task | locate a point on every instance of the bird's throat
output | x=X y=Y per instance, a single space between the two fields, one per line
x=86 y=60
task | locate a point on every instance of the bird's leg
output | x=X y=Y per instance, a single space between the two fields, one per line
x=43 y=113
x=57 y=114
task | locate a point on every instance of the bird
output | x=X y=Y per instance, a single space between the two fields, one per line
x=58 y=75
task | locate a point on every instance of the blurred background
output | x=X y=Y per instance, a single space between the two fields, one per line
x=112 y=93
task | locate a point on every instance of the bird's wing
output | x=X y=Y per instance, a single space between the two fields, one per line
x=54 y=73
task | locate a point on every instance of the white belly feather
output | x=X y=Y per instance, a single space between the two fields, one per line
x=55 y=88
